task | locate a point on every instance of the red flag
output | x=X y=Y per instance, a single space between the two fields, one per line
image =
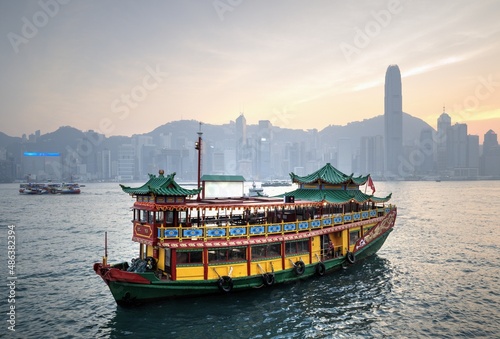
x=370 y=183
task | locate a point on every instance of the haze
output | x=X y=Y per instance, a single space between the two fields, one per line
x=126 y=67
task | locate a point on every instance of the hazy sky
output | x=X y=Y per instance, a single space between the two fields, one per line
x=126 y=67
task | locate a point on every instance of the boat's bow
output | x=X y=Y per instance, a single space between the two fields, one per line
x=382 y=228
x=114 y=273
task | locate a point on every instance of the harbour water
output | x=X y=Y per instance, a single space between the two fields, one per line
x=438 y=274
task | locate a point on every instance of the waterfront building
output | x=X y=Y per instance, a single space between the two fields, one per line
x=126 y=162
x=371 y=157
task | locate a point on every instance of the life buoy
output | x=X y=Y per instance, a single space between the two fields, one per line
x=320 y=269
x=225 y=284
x=268 y=279
x=150 y=263
x=351 y=258
x=299 y=267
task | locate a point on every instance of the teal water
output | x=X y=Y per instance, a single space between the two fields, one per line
x=438 y=274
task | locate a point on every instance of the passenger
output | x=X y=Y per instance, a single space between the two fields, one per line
x=331 y=248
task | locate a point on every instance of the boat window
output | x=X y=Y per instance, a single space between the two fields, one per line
x=189 y=257
x=353 y=237
x=227 y=254
x=295 y=247
x=159 y=217
x=337 y=209
x=169 y=217
x=182 y=217
x=146 y=216
x=266 y=251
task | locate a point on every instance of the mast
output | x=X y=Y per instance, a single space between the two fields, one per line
x=197 y=146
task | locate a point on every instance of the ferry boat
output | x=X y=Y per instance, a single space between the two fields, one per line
x=190 y=245
x=49 y=188
x=275 y=183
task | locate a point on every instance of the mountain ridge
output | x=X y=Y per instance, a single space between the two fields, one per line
x=69 y=137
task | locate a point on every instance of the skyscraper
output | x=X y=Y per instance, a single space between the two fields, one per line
x=443 y=141
x=393 y=119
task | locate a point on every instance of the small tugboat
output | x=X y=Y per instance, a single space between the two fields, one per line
x=190 y=245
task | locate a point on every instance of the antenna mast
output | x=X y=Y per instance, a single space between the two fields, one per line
x=198 y=147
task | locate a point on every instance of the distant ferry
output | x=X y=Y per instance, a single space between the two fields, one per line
x=274 y=183
x=49 y=188
x=191 y=246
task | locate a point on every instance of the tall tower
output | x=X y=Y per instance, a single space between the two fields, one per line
x=393 y=120
x=443 y=143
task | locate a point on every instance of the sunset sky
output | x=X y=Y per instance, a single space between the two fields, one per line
x=126 y=67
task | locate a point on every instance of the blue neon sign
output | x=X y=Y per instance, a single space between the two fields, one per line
x=42 y=154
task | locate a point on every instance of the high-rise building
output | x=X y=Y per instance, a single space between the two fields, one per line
x=473 y=155
x=490 y=160
x=393 y=120
x=371 y=157
x=442 y=141
x=426 y=164
x=126 y=162
x=242 y=147
x=264 y=142
x=344 y=155
x=458 y=143
x=241 y=130
x=490 y=141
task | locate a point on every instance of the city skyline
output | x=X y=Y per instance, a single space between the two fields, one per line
x=107 y=66
x=266 y=153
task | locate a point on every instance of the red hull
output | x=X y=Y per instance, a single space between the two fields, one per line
x=108 y=273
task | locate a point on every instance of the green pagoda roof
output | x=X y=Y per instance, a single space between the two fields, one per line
x=329 y=174
x=335 y=196
x=160 y=185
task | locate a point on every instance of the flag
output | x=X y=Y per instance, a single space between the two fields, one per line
x=370 y=183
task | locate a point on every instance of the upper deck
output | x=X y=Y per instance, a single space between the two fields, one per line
x=167 y=215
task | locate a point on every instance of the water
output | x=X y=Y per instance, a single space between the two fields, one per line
x=438 y=274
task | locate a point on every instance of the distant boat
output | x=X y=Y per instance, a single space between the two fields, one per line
x=275 y=183
x=49 y=188
x=255 y=191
